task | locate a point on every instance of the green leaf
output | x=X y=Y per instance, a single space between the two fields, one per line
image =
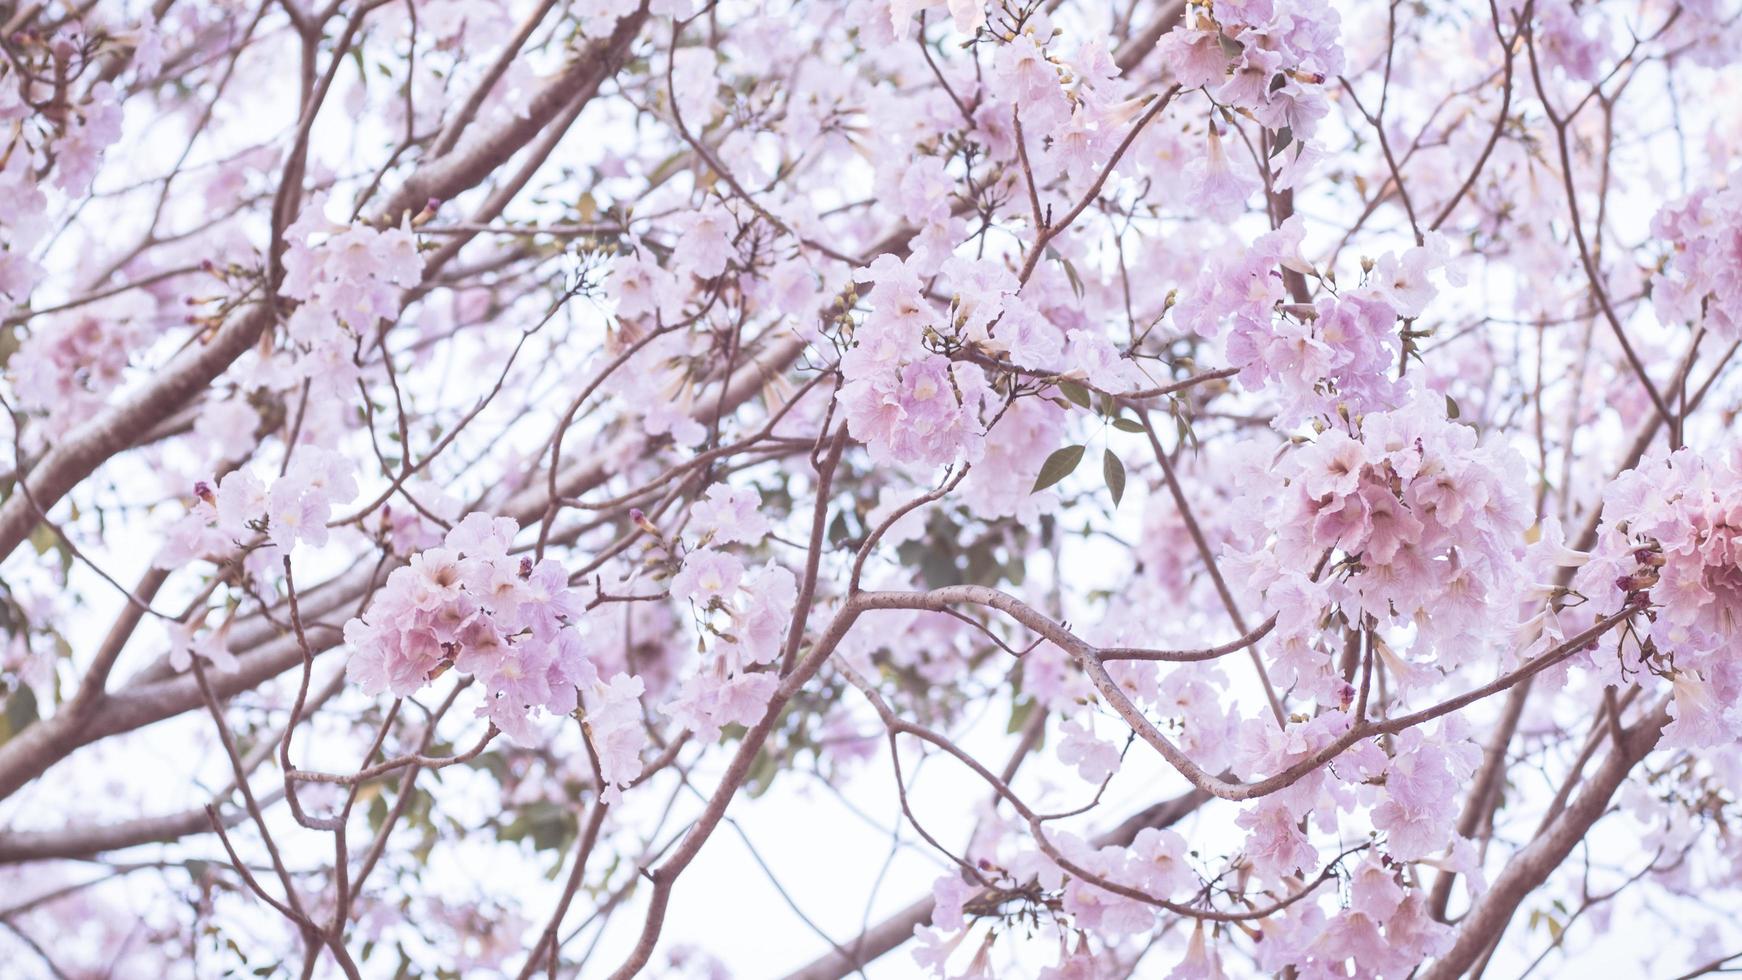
x=1128 y=425
x=1186 y=435
x=362 y=67
x=762 y=772
x=21 y=713
x=10 y=341
x=1075 y=280
x=1114 y=473
x=1019 y=714
x=1074 y=391
x=939 y=569
x=984 y=565
x=546 y=824
x=1057 y=466
x=1452 y=410
x=667 y=168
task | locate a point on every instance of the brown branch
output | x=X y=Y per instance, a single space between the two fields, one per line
x=1532 y=866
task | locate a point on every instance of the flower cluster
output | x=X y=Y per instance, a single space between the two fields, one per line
x=68 y=367
x=343 y=275
x=23 y=221
x=1157 y=862
x=1671 y=541
x=641 y=287
x=875 y=266
x=1025 y=73
x=1407 y=520
x=1702 y=281
x=1015 y=449
x=295 y=508
x=48 y=137
x=727 y=515
x=471 y=606
x=1337 y=353
x=1265 y=57
x=1574 y=44
x=1385 y=930
x=65 y=368
x=911 y=407
x=748 y=616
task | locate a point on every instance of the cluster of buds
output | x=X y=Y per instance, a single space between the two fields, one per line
x=660 y=554
x=1638 y=584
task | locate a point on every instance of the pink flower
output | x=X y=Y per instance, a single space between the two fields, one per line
x=1195 y=56
x=1331 y=466
x=613 y=723
x=1202 y=960
x=1421 y=787
x=391 y=660
x=1389 y=524
x=480 y=535
x=1094 y=759
x=293 y=514
x=1026 y=336
x=1025 y=76
x=949 y=892
x=548 y=602
x=704 y=244
x=1217 y=186
x=933 y=946
x=730 y=514
x=353 y=276
x=926 y=188
x=640 y=287
x=433 y=579
x=519 y=677
x=760 y=625
x=1374 y=891
x=481 y=646
x=1402 y=281
x=1567 y=43
x=1275 y=845
x=210 y=645
x=89 y=133
x=241 y=499
x=743 y=699
x=707 y=575
x=228 y=428
x=1703 y=280
x=1158 y=862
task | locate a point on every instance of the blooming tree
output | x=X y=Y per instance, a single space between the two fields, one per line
x=1184 y=489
